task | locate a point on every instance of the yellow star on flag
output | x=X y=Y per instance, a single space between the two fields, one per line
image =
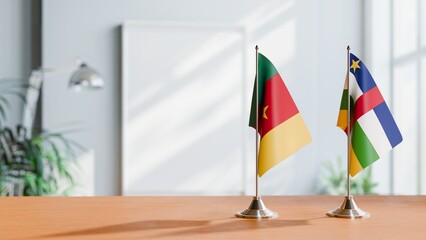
x=355 y=65
x=264 y=112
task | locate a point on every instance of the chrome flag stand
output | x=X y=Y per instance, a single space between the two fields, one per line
x=348 y=209
x=257 y=208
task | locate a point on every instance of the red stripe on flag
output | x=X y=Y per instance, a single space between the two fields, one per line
x=280 y=104
x=367 y=102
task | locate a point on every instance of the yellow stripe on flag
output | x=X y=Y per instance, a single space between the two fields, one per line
x=282 y=141
x=355 y=165
x=342 y=121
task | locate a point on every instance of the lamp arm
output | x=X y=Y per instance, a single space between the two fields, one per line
x=32 y=97
x=49 y=70
x=33 y=93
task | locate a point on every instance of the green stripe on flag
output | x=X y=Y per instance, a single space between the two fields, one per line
x=362 y=146
x=266 y=71
x=344 y=100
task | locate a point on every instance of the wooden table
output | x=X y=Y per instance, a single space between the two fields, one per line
x=392 y=217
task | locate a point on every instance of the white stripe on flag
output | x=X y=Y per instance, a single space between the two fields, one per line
x=375 y=133
x=356 y=91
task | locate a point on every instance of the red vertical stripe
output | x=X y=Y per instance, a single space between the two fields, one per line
x=280 y=105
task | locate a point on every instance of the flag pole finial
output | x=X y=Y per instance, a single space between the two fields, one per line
x=257 y=48
x=348 y=48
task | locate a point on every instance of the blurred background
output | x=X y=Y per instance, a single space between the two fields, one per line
x=172 y=116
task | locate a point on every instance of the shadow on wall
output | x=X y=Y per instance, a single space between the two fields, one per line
x=187 y=103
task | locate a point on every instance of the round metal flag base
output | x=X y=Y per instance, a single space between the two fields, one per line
x=257 y=209
x=349 y=209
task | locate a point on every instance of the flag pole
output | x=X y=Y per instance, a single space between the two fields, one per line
x=257 y=208
x=349 y=135
x=257 y=122
x=349 y=208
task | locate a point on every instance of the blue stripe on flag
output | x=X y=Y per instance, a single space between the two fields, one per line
x=362 y=75
x=388 y=123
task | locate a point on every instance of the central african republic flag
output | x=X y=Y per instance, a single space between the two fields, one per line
x=373 y=129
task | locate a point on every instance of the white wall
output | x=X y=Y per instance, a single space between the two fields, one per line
x=377 y=46
x=15 y=47
x=393 y=41
x=306 y=40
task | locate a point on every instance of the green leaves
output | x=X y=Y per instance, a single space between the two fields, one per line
x=41 y=162
x=334 y=180
x=36 y=165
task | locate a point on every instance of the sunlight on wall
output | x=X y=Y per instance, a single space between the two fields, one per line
x=211 y=48
x=394 y=46
x=266 y=13
x=406 y=115
x=188 y=95
x=405 y=33
x=191 y=102
x=206 y=77
x=285 y=33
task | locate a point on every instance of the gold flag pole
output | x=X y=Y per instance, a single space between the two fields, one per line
x=257 y=208
x=348 y=209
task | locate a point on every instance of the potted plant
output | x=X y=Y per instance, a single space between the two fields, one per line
x=32 y=166
x=334 y=180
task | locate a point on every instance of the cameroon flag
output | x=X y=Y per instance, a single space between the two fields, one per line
x=281 y=127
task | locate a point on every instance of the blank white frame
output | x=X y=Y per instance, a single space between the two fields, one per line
x=129 y=26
